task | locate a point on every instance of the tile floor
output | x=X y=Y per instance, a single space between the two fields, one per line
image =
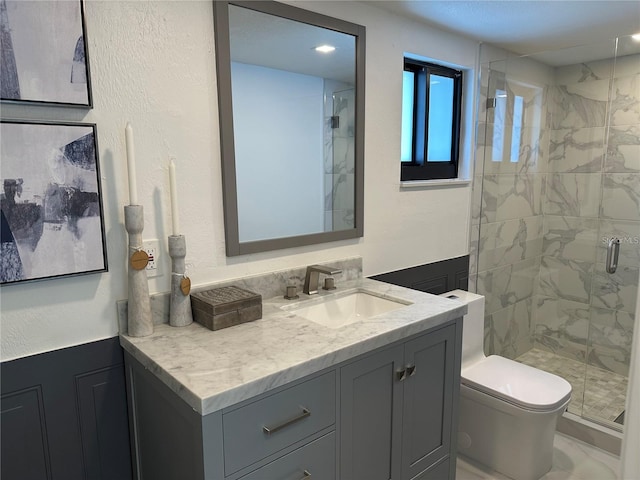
x=604 y=397
x=572 y=460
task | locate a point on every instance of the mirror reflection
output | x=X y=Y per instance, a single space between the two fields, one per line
x=293 y=104
x=293 y=119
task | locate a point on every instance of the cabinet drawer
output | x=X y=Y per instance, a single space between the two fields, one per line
x=266 y=426
x=314 y=461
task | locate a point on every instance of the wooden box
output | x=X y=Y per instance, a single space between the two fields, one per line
x=225 y=307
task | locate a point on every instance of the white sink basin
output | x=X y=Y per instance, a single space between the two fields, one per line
x=336 y=312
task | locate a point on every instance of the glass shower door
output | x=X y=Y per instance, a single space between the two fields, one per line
x=614 y=288
x=557 y=176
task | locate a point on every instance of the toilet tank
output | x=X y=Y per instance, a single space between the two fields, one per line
x=472 y=325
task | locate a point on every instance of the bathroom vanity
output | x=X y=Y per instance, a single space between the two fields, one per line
x=294 y=396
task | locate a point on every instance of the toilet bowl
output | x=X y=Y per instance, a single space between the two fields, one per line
x=508 y=410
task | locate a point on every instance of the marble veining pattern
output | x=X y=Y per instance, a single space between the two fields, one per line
x=570 y=238
x=568 y=279
x=498 y=155
x=508 y=331
x=579 y=105
x=562 y=327
x=573 y=194
x=504 y=286
x=339 y=156
x=625 y=104
x=508 y=242
x=507 y=197
x=615 y=291
x=576 y=150
x=623 y=150
x=213 y=370
x=476 y=199
x=587 y=72
x=610 y=339
x=621 y=196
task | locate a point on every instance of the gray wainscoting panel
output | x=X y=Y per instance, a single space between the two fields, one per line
x=64 y=415
x=436 y=278
x=23 y=412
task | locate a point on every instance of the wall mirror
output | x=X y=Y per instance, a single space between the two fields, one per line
x=291 y=104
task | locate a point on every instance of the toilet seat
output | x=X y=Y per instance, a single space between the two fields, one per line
x=513 y=382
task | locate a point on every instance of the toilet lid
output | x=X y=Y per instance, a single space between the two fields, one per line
x=517 y=383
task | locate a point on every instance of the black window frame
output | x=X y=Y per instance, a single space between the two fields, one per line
x=426 y=170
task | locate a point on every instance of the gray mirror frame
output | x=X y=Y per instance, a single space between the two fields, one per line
x=225 y=108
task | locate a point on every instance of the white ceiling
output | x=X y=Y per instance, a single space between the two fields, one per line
x=544 y=29
x=257 y=38
x=525 y=26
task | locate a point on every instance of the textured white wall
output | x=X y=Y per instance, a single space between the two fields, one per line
x=152 y=63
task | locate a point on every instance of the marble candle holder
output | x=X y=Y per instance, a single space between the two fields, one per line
x=180 y=301
x=139 y=304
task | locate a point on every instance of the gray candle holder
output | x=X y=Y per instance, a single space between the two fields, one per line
x=139 y=303
x=180 y=302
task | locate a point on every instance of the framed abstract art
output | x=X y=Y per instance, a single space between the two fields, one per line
x=44 y=53
x=51 y=205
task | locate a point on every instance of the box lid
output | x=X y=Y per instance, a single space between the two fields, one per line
x=226 y=299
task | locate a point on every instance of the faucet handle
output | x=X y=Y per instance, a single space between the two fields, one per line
x=291 y=292
x=329 y=283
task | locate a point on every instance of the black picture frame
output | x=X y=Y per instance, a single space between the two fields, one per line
x=52 y=219
x=44 y=57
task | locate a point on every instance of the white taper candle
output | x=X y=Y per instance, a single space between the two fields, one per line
x=174 y=198
x=131 y=165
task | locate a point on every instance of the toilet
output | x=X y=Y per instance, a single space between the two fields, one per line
x=508 y=410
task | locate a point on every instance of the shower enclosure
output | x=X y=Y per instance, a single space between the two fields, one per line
x=557 y=180
x=339 y=155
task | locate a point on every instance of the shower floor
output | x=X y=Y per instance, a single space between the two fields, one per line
x=605 y=395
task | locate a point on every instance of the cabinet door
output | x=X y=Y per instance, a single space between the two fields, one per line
x=428 y=400
x=370 y=417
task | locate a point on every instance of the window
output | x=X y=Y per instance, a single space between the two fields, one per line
x=431 y=104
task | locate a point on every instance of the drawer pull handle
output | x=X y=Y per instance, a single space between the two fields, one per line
x=411 y=370
x=401 y=374
x=269 y=430
x=307 y=475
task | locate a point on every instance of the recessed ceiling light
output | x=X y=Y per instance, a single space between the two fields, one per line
x=636 y=37
x=325 y=49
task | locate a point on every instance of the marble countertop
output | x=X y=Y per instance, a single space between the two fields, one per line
x=211 y=370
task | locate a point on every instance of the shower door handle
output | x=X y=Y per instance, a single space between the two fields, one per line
x=613 y=250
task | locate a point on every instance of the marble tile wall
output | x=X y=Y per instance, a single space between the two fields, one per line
x=592 y=193
x=507 y=221
x=339 y=165
x=541 y=221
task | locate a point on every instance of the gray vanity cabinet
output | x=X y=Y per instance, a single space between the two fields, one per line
x=397 y=410
x=389 y=414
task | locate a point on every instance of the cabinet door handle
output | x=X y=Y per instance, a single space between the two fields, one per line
x=306 y=475
x=401 y=374
x=411 y=370
x=269 y=430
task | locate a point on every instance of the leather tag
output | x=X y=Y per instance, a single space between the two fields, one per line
x=185 y=286
x=139 y=260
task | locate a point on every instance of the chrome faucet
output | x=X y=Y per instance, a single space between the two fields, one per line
x=313 y=276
